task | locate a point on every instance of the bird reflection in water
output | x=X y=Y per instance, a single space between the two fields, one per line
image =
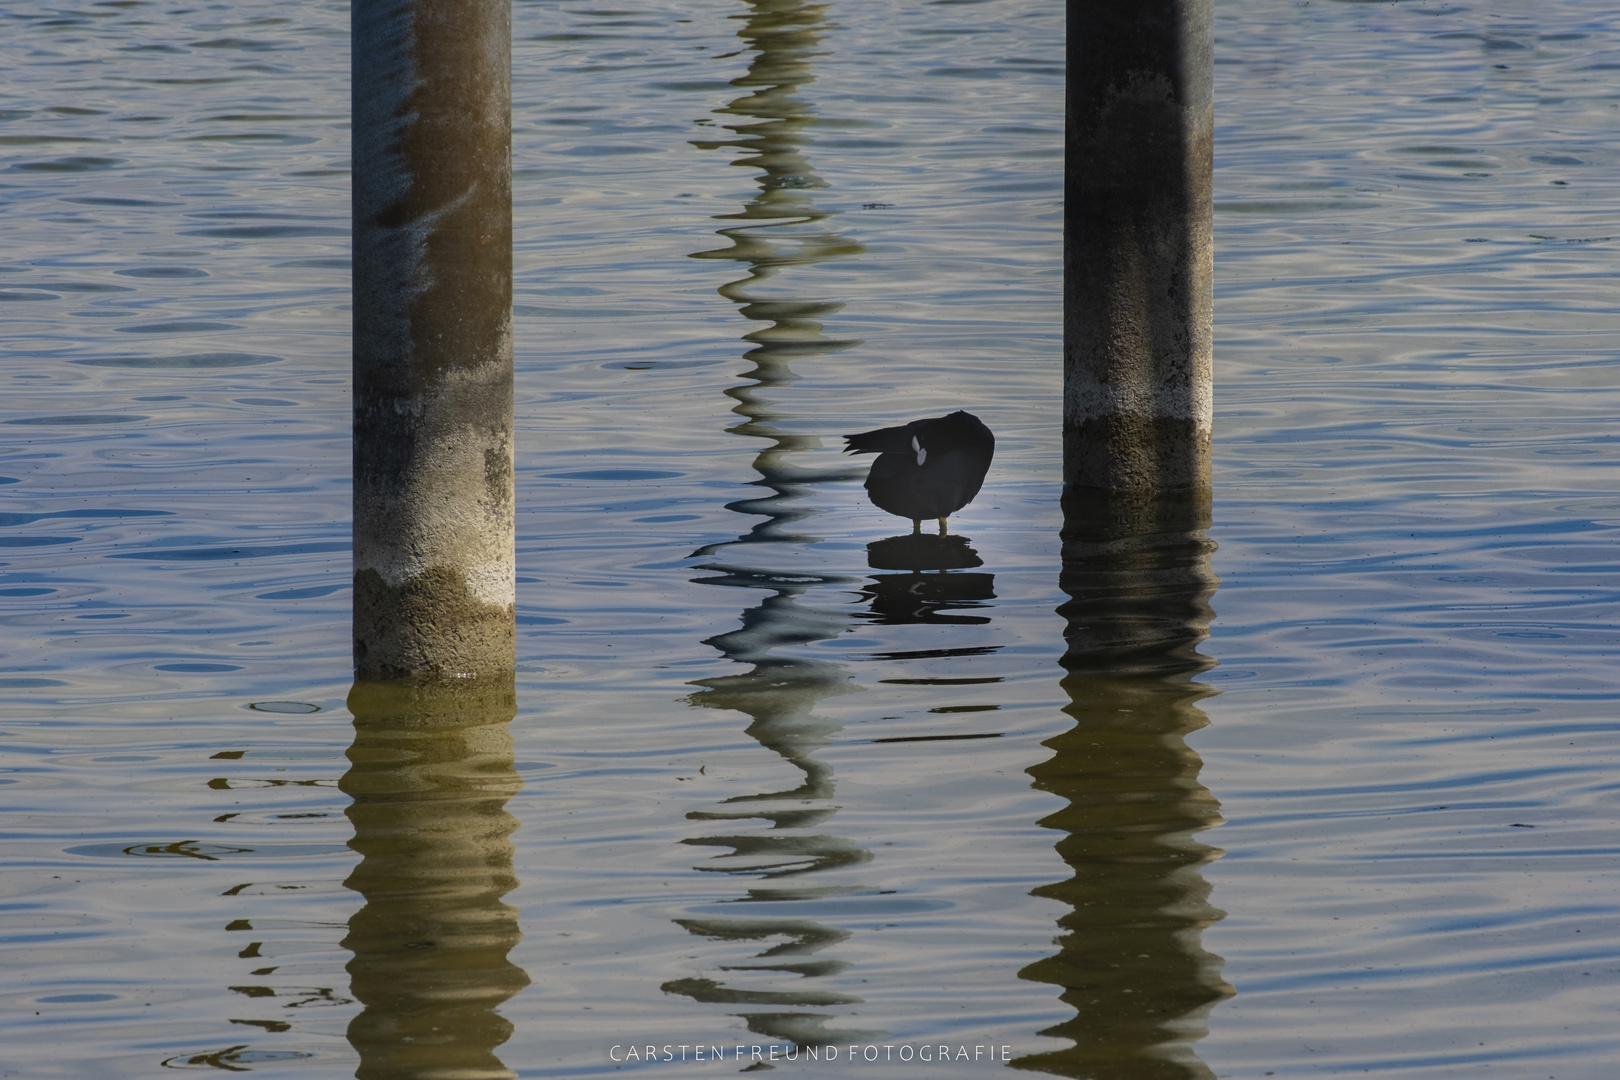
x=1129 y=960
x=778 y=838
x=936 y=580
x=430 y=773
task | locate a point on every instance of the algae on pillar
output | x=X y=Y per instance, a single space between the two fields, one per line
x=1138 y=256
x=434 y=577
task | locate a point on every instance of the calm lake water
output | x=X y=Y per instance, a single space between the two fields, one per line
x=766 y=786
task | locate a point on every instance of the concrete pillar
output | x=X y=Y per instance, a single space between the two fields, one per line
x=434 y=579
x=1137 y=263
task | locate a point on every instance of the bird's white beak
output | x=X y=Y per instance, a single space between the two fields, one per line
x=922 y=455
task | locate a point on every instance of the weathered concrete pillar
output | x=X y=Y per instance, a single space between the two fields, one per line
x=434 y=578
x=1138 y=262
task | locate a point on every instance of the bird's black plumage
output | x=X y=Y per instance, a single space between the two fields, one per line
x=927 y=468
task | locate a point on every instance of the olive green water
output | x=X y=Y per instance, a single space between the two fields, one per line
x=766 y=784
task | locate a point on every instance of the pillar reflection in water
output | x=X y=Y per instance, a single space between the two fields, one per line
x=789 y=840
x=430 y=773
x=777 y=838
x=1137 y=574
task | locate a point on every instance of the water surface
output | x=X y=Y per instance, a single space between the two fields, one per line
x=774 y=777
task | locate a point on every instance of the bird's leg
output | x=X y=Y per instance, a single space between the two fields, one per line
x=942 y=526
x=916 y=526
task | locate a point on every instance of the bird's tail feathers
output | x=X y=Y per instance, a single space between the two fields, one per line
x=881 y=441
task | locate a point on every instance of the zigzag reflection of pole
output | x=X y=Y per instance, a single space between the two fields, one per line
x=780 y=227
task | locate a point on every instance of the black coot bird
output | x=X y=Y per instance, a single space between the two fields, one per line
x=927 y=468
